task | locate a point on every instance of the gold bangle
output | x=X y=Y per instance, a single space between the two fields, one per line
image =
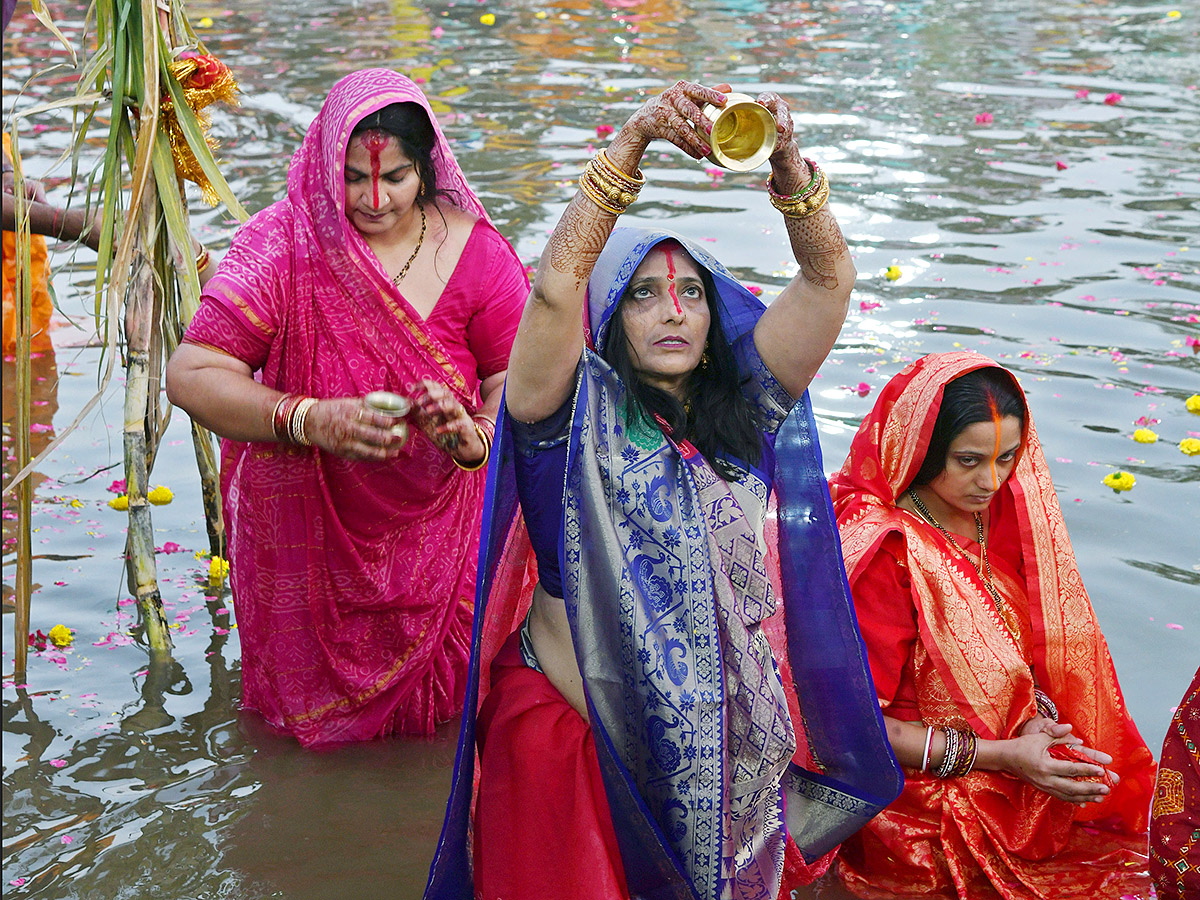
x=634 y=181
x=487 y=452
x=802 y=209
x=617 y=194
x=593 y=194
x=203 y=260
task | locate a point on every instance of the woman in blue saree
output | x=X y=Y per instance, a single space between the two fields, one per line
x=631 y=695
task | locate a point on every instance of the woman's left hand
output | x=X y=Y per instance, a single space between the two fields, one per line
x=446 y=422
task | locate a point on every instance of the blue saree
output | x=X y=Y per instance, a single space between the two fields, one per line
x=666 y=585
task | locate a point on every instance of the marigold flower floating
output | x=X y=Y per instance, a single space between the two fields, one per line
x=893 y=273
x=1145 y=436
x=1193 y=403
x=61 y=636
x=160 y=496
x=120 y=504
x=1119 y=481
x=1190 y=446
x=218 y=570
x=488 y=19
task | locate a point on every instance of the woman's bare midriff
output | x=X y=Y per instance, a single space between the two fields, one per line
x=550 y=632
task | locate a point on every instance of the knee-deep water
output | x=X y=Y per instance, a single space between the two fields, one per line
x=1013 y=177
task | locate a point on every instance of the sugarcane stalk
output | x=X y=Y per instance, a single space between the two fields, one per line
x=23 y=578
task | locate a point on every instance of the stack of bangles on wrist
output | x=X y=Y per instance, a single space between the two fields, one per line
x=805 y=202
x=486 y=429
x=1045 y=705
x=607 y=186
x=959 y=757
x=287 y=421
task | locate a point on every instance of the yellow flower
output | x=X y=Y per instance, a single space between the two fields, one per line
x=61 y=636
x=218 y=570
x=120 y=503
x=488 y=19
x=160 y=496
x=1193 y=403
x=1190 y=446
x=76 y=504
x=893 y=273
x=1145 y=436
x=1119 y=481
x=205 y=22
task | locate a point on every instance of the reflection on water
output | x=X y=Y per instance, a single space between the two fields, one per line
x=970 y=146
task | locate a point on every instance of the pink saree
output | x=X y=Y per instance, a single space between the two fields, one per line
x=354 y=582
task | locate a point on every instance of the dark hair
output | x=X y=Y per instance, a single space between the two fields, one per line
x=410 y=125
x=718 y=419
x=979 y=396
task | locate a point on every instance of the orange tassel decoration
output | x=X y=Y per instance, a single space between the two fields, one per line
x=205 y=80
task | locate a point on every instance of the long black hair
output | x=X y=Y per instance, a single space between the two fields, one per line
x=717 y=418
x=981 y=395
x=409 y=124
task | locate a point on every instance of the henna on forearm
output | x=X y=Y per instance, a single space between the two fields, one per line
x=579 y=238
x=818 y=246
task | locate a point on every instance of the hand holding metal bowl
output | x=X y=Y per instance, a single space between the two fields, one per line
x=743 y=132
x=393 y=406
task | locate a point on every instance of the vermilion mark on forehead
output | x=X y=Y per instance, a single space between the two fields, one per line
x=375 y=141
x=996 y=451
x=671 y=280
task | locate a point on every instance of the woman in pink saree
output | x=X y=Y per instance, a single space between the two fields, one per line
x=353 y=550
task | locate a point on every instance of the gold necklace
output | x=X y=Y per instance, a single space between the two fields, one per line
x=420 y=238
x=986 y=574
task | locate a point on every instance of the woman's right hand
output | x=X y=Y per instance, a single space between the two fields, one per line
x=1028 y=757
x=345 y=427
x=674 y=115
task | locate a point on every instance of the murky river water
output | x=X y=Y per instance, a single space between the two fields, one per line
x=970 y=145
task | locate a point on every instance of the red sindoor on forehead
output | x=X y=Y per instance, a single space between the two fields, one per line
x=671 y=280
x=375 y=141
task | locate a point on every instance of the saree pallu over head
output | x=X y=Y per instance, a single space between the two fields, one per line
x=990 y=678
x=667 y=585
x=354 y=580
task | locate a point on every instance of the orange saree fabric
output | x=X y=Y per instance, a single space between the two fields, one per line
x=988 y=834
x=39 y=274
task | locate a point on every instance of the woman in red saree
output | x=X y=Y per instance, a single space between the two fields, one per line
x=352 y=552
x=1025 y=776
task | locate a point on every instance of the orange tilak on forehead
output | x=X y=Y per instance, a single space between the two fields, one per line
x=375 y=141
x=996 y=451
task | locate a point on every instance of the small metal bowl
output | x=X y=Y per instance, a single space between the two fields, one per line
x=743 y=133
x=394 y=406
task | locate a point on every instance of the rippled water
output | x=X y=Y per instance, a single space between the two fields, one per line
x=1058 y=237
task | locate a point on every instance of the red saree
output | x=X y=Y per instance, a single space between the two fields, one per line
x=940 y=653
x=354 y=581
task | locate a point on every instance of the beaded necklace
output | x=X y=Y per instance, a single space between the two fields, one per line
x=416 y=250
x=986 y=574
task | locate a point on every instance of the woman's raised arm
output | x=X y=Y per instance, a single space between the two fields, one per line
x=541 y=369
x=798 y=330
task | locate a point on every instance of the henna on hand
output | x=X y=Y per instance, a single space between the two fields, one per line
x=674 y=115
x=446 y=422
x=346 y=428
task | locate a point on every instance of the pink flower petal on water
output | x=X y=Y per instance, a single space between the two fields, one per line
x=1059 y=164
x=983 y=118
x=865 y=305
x=862 y=389
x=1081 y=94
x=603 y=131
x=1174 y=627
x=1113 y=99
x=58 y=763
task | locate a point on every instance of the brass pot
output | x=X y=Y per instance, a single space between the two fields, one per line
x=394 y=406
x=743 y=133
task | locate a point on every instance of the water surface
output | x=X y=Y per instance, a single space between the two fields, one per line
x=1058 y=237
